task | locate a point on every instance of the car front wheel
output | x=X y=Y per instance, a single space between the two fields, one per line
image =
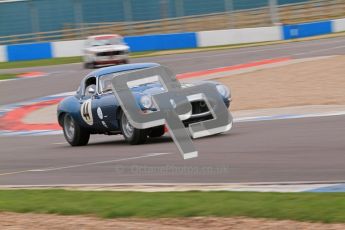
x=132 y=135
x=157 y=131
x=89 y=65
x=74 y=134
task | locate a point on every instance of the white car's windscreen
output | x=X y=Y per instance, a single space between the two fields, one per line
x=106 y=41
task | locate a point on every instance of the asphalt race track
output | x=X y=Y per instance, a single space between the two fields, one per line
x=310 y=149
x=275 y=151
x=65 y=78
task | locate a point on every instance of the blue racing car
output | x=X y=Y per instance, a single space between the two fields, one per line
x=94 y=108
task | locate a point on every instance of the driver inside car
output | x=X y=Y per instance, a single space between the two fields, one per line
x=90 y=90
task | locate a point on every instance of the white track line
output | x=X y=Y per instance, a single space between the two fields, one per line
x=2 y=81
x=301 y=186
x=59 y=143
x=243 y=119
x=82 y=165
x=287 y=117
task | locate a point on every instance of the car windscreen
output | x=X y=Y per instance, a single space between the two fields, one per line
x=106 y=41
x=105 y=85
x=105 y=81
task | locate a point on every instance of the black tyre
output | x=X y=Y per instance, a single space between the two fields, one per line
x=89 y=65
x=74 y=134
x=132 y=135
x=157 y=131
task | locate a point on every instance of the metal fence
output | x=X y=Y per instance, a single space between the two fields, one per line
x=47 y=20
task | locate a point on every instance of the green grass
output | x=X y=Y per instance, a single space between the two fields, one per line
x=53 y=61
x=7 y=76
x=41 y=62
x=316 y=207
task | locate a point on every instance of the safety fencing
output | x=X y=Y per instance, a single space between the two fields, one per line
x=43 y=50
x=49 y=21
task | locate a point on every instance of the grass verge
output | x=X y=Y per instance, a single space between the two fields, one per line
x=54 y=61
x=41 y=62
x=316 y=207
x=7 y=76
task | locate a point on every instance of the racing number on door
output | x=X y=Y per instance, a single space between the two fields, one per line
x=86 y=112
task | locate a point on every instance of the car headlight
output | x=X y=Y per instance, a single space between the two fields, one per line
x=223 y=90
x=146 y=102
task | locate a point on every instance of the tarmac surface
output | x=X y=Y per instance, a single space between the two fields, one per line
x=65 y=78
x=308 y=149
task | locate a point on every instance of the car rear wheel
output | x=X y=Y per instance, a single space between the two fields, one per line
x=132 y=135
x=157 y=131
x=74 y=134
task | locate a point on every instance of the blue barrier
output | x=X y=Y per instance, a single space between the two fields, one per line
x=307 y=29
x=161 y=41
x=32 y=51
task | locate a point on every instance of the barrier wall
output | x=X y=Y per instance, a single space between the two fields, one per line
x=136 y=43
x=238 y=36
x=161 y=42
x=33 y=51
x=338 y=25
x=68 y=48
x=307 y=29
x=3 y=56
x=176 y=41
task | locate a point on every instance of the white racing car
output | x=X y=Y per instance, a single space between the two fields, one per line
x=108 y=49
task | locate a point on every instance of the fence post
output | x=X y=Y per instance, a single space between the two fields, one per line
x=35 y=24
x=164 y=7
x=79 y=20
x=229 y=9
x=179 y=12
x=273 y=11
x=127 y=9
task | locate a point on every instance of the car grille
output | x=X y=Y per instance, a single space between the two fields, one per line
x=111 y=53
x=199 y=107
x=200 y=112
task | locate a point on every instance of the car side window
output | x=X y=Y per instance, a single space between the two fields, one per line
x=90 y=86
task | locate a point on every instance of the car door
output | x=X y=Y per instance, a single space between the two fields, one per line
x=105 y=106
x=88 y=109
